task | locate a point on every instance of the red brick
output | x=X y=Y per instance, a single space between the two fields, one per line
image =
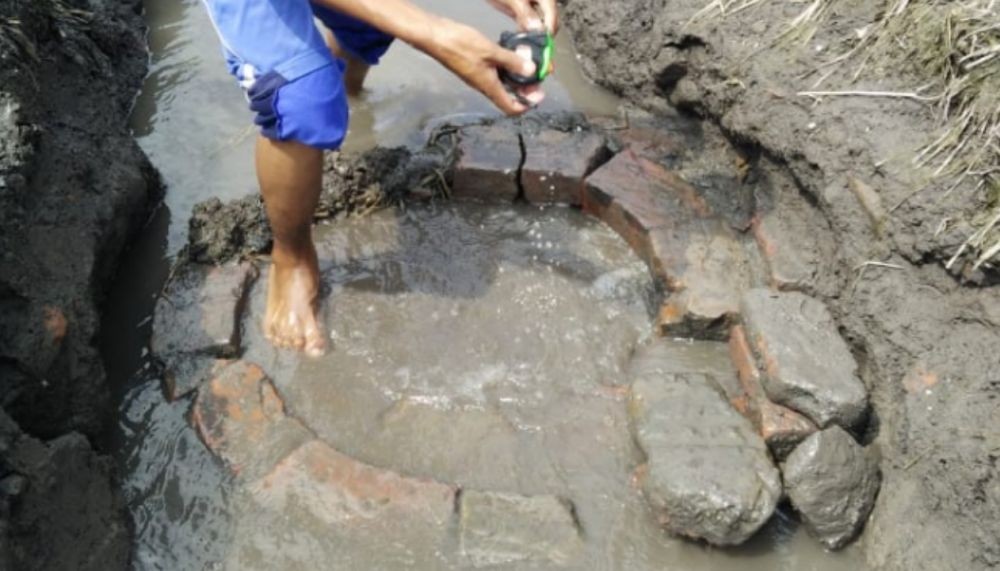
x=556 y=163
x=241 y=419
x=338 y=489
x=489 y=157
x=634 y=196
x=781 y=427
x=695 y=256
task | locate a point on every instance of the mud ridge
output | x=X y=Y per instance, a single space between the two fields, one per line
x=74 y=189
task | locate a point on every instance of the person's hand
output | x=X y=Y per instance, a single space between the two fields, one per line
x=476 y=59
x=527 y=17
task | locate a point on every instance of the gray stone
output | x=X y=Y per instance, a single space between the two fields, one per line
x=833 y=483
x=198 y=320
x=499 y=528
x=807 y=365
x=709 y=475
x=60 y=508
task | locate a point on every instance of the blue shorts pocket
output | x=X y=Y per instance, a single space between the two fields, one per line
x=263 y=96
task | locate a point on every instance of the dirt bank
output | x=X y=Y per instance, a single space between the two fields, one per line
x=843 y=223
x=74 y=188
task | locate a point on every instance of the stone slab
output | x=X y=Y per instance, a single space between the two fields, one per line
x=556 y=163
x=833 y=484
x=241 y=419
x=807 y=365
x=708 y=475
x=197 y=320
x=782 y=428
x=501 y=529
x=489 y=157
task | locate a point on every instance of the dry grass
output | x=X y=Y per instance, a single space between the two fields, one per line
x=953 y=47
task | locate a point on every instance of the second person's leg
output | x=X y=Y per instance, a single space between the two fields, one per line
x=356 y=43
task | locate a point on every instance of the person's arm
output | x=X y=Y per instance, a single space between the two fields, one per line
x=463 y=50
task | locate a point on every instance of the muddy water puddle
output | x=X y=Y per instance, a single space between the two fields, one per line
x=479 y=347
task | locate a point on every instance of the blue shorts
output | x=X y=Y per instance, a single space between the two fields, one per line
x=293 y=82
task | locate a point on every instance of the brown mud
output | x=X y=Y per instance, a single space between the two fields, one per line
x=845 y=225
x=74 y=189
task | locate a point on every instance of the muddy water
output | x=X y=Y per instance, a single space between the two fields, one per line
x=480 y=347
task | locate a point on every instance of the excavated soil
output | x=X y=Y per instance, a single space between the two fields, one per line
x=844 y=187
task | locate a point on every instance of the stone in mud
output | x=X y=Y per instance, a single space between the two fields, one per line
x=63 y=491
x=499 y=529
x=807 y=365
x=489 y=157
x=709 y=475
x=198 y=320
x=556 y=162
x=338 y=489
x=833 y=483
x=661 y=357
x=241 y=418
x=781 y=427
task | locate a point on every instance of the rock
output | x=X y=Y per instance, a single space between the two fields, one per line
x=708 y=473
x=807 y=365
x=339 y=490
x=501 y=529
x=556 y=163
x=489 y=158
x=833 y=483
x=663 y=356
x=693 y=255
x=63 y=491
x=198 y=320
x=782 y=428
x=242 y=420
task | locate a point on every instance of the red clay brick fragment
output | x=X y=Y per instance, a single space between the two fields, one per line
x=241 y=418
x=339 y=489
x=781 y=427
x=489 y=157
x=556 y=162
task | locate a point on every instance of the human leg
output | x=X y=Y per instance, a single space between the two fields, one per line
x=356 y=43
x=290 y=175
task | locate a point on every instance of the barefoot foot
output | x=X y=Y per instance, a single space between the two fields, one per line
x=291 y=319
